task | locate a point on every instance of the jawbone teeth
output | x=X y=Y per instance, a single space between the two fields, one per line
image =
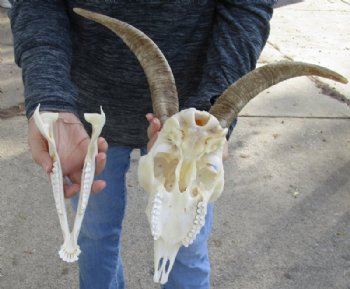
x=198 y=223
x=97 y=122
x=155 y=213
x=70 y=250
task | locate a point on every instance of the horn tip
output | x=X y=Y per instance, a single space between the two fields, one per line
x=344 y=80
x=82 y=12
x=78 y=10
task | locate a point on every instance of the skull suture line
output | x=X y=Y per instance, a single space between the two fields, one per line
x=183 y=171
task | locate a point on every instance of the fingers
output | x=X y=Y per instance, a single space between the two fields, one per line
x=101 y=160
x=70 y=190
x=101 y=157
x=98 y=186
x=102 y=145
x=154 y=125
x=152 y=141
x=152 y=130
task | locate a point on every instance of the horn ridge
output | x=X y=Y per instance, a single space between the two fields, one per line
x=157 y=70
x=237 y=95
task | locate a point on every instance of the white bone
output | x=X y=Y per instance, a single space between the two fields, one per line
x=44 y=123
x=70 y=250
x=97 y=122
x=182 y=173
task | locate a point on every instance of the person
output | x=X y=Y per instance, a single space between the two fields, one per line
x=72 y=65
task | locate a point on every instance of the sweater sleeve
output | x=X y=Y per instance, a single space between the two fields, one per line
x=42 y=47
x=240 y=31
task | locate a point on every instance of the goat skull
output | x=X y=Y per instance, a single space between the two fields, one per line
x=183 y=171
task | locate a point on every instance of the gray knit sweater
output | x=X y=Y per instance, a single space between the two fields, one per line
x=72 y=64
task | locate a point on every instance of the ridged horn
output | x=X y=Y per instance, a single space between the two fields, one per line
x=237 y=95
x=157 y=70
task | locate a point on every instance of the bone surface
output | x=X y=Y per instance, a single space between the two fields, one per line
x=182 y=173
x=70 y=250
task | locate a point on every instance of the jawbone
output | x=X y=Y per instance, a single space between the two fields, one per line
x=182 y=173
x=70 y=250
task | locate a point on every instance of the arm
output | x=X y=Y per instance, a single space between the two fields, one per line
x=41 y=32
x=240 y=31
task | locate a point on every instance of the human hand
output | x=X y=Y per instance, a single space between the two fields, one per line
x=72 y=142
x=153 y=132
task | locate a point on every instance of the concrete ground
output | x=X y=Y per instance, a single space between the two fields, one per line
x=283 y=221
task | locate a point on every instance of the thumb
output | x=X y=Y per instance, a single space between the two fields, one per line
x=43 y=159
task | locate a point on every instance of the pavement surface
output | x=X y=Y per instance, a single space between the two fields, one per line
x=283 y=221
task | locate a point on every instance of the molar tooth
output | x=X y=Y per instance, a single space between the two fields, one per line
x=87 y=168
x=155 y=208
x=200 y=211
x=157 y=202
x=158 y=198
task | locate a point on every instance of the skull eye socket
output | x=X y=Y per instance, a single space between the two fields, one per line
x=164 y=169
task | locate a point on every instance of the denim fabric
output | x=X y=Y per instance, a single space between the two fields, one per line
x=100 y=262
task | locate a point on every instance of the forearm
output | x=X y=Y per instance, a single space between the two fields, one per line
x=42 y=45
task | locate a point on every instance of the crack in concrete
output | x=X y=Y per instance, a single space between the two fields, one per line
x=325 y=88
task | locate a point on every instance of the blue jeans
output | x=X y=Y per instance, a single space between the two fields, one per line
x=100 y=261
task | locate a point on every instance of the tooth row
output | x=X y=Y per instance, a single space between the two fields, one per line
x=86 y=186
x=198 y=223
x=155 y=213
x=70 y=250
x=56 y=187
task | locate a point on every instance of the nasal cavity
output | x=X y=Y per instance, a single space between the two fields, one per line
x=201 y=118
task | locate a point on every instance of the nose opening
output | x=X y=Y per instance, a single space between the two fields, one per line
x=164 y=267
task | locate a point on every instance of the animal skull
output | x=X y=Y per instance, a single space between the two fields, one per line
x=183 y=171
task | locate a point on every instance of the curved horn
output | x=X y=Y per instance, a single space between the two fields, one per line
x=237 y=95
x=158 y=72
